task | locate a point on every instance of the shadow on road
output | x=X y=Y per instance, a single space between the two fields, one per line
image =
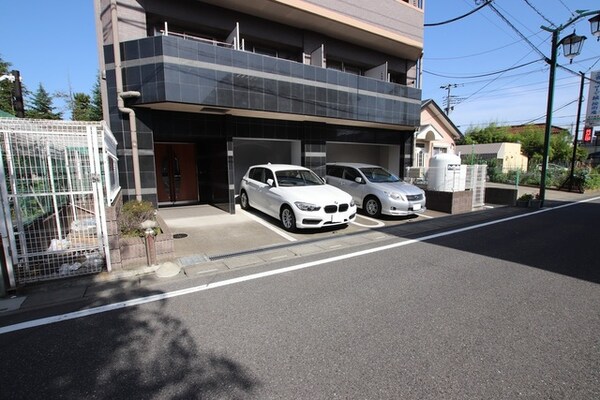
x=132 y=353
x=573 y=228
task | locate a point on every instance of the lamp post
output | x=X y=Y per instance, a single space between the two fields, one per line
x=573 y=159
x=571 y=47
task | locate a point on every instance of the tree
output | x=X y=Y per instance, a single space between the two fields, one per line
x=562 y=148
x=41 y=106
x=532 y=142
x=96 y=105
x=81 y=107
x=489 y=134
x=6 y=88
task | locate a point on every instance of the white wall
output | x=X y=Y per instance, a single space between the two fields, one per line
x=386 y=156
x=248 y=152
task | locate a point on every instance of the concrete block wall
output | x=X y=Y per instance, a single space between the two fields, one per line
x=450 y=202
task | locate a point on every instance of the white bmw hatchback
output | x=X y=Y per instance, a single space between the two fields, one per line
x=296 y=196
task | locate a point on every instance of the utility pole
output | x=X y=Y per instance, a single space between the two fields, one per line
x=18 y=95
x=449 y=98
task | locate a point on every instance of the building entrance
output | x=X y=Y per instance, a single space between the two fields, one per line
x=177 y=179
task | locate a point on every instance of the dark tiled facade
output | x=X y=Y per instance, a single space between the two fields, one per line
x=179 y=79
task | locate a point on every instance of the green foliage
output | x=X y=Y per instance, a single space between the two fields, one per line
x=41 y=106
x=96 y=104
x=133 y=214
x=81 y=107
x=561 y=146
x=489 y=134
x=6 y=87
x=532 y=142
x=525 y=197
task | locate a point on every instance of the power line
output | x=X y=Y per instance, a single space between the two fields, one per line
x=482 y=75
x=460 y=17
x=539 y=13
x=534 y=47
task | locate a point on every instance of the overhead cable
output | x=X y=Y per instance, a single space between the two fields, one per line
x=461 y=17
x=539 y=13
x=482 y=75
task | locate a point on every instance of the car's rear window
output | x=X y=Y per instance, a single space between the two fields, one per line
x=297 y=177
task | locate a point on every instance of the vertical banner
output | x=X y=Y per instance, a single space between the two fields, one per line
x=592 y=117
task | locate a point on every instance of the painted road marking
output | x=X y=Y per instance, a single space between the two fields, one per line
x=228 y=282
x=270 y=226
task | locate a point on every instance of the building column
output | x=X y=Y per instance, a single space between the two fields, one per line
x=314 y=155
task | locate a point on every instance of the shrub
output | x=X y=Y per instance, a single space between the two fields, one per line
x=525 y=197
x=133 y=214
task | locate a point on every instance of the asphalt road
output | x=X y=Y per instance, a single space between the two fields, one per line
x=503 y=311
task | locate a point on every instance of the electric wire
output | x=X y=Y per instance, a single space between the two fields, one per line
x=460 y=17
x=482 y=75
x=539 y=13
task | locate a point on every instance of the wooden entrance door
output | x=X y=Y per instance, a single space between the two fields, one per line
x=176 y=177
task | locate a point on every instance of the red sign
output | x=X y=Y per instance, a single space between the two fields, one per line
x=587 y=134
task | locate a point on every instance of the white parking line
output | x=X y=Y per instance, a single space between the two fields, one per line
x=213 y=285
x=426 y=216
x=270 y=226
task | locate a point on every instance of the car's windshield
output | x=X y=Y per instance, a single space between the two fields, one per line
x=378 y=174
x=297 y=177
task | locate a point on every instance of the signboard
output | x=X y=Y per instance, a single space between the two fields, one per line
x=593 y=101
x=587 y=134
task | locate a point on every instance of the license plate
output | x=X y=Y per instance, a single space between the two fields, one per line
x=416 y=207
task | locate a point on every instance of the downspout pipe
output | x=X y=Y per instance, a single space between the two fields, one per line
x=121 y=102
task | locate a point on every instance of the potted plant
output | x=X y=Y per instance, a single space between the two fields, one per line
x=535 y=202
x=524 y=200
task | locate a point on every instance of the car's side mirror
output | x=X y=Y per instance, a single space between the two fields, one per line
x=358 y=179
x=270 y=182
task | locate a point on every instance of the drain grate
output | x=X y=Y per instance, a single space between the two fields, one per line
x=179 y=235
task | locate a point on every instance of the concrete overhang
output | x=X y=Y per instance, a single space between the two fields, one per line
x=304 y=15
x=199 y=109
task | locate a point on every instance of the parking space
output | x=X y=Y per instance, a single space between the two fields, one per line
x=205 y=231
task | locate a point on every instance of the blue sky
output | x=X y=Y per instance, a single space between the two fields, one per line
x=54 y=43
x=483 y=43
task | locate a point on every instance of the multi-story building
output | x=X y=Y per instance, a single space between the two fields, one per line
x=198 y=90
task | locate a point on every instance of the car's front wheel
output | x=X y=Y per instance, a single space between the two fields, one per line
x=373 y=206
x=288 y=219
x=244 y=202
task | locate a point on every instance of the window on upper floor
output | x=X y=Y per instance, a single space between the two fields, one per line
x=338 y=65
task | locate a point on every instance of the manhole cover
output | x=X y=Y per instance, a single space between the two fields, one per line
x=179 y=235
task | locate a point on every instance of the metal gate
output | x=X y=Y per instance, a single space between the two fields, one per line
x=56 y=177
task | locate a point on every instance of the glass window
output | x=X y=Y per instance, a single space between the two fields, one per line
x=378 y=174
x=350 y=174
x=297 y=177
x=334 y=170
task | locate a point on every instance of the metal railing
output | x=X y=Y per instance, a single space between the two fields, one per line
x=56 y=178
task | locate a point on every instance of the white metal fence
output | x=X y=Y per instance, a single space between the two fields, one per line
x=56 y=178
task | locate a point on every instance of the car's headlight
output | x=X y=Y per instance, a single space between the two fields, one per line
x=352 y=203
x=397 y=196
x=307 y=206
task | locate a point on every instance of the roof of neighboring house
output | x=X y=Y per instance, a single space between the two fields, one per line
x=486 y=148
x=514 y=129
x=448 y=124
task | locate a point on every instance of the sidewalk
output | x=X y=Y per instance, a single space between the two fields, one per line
x=110 y=287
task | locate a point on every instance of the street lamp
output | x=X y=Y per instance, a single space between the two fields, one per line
x=595 y=26
x=571 y=47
